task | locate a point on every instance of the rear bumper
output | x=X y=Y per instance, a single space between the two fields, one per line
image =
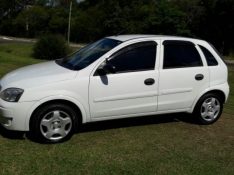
x=226 y=90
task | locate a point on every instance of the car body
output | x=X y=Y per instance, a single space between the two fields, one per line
x=125 y=76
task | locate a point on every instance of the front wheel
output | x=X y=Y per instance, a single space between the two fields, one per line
x=208 y=109
x=53 y=123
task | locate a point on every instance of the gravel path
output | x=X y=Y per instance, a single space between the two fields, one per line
x=9 y=39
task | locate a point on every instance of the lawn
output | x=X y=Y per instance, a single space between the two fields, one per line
x=230 y=57
x=169 y=144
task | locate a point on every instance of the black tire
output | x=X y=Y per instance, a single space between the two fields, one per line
x=53 y=119
x=202 y=113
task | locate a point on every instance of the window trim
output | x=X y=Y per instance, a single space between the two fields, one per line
x=181 y=42
x=130 y=71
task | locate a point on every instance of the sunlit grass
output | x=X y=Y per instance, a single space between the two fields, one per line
x=16 y=55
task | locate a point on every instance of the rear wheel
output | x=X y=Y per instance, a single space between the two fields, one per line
x=53 y=123
x=209 y=108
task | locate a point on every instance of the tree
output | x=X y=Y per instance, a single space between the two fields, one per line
x=58 y=21
x=50 y=47
x=93 y=19
x=33 y=21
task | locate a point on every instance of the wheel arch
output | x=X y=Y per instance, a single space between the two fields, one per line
x=214 y=91
x=62 y=100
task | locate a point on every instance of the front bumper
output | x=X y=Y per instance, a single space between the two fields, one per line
x=4 y=117
x=15 y=116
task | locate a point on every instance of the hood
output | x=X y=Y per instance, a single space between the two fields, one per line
x=37 y=75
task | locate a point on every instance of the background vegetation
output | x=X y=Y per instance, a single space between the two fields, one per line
x=50 y=47
x=211 y=20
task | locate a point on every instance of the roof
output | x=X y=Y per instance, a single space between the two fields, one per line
x=130 y=37
x=124 y=38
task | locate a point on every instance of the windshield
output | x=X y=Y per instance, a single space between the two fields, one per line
x=87 y=55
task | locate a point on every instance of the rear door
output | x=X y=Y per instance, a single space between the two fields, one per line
x=183 y=75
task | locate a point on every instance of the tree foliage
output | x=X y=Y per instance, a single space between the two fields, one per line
x=50 y=47
x=93 y=19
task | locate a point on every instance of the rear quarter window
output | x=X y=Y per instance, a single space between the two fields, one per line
x=210 y=59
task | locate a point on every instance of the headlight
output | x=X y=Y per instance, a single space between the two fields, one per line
x=11 y=94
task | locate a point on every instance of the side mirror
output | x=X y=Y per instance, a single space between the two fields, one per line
x=101 y=71
x=106 y=68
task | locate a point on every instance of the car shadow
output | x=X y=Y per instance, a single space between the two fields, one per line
x=137 y=121
x=11 y=134
x=112 y=124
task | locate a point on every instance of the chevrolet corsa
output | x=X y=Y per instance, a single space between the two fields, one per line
x=115 y=77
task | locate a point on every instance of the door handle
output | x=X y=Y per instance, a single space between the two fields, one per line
x=149 y=81
x=199 y=77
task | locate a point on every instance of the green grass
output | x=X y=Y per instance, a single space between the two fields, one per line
x=229 y=106
x=15 y=55
x=231 y=57
x=170 y=144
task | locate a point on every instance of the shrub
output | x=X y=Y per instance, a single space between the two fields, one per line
x=50 y=47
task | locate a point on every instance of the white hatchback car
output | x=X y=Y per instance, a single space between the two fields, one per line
x=115 y=77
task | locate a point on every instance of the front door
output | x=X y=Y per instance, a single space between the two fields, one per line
x=132 y=89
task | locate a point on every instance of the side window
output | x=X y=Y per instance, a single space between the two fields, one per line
x=211 y=61
x=179 y=54
x=135 y=57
